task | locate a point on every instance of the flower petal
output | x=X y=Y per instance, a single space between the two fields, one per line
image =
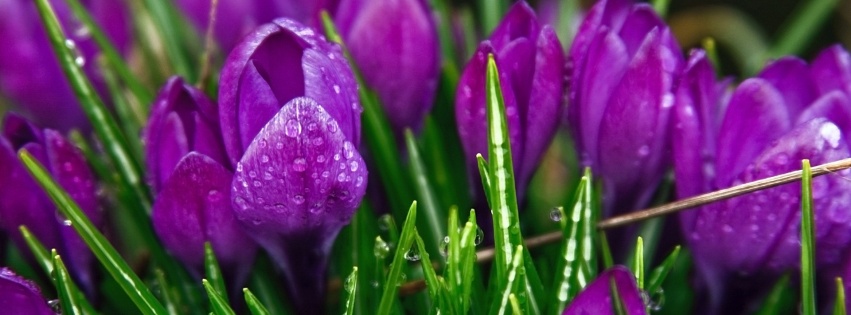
x=596 y=298
x=790 y=76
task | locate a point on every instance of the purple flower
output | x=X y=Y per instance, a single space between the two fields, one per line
x=23 y=202
x=596 y=298
x=399 y=57
x=21 y=296
x=29 y=73
x=531 y=64
x=624 y=63
x=789 y=112
x=236 y=18
x=291 y=121
x=182 y=119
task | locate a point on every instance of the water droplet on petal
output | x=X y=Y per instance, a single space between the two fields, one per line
x=320 y=158
x=353 y=166
x=298 y=199
x=299 y=165
x=336 y=89
x=292 y=128
x=644 y=150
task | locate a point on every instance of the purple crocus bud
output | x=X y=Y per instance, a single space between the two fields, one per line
x=291 y=121
x=596 y=297
x=30 y=75
x=531 y=63
x=769 y=124
x=21 y=296
x=404 y=70
x=624 y=63
x=236 y=18
x=182 y=119
x=193 y=207
x=23 y=202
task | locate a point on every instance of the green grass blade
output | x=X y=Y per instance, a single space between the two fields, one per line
x=467 y=264
x=254 y=305
x=351 y=287
x=213 y=272
x=217 y=302
x=105 y=253
x=500 y=305
x=486 y=178
x=638 y=263
x=391 y=291
x=130 y=118
x=169 y=295
x=105 y=127
x=431 y=213
x=799 y=30
x=839 y=306
x=661 y=7
x=66 y=289
x=168 y=26
x=263 y=282
x=617 y=302
x=572 y=270
x=515 y=304
x=808 y=246
x=605 y=250
x=490 y=13
x=658 y=275
x=774 y=302
x=113 y=57
x=435 y=288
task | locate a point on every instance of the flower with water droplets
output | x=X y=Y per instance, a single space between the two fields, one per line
x=23 y=202
x=531 y=63
x=21 y=296
x=789 y=112
x=291 y=122
x=404 y=70
x=596 y=297
x=624 y=62
x=30 y=75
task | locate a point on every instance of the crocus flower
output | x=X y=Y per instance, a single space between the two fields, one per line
x=30 y=75
x=789 y=112
x=531 y=62
x=596 y=297
x=291 y=121
x=21 y=296
x=23 y=202
x=399 y=57
x=182 y=119
x=237 y=18
x=624 y=62
x=191 y=174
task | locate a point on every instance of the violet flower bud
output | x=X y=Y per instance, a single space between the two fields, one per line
x=596 y=297
x=30 y=75
x=789 y=112
x=21 y=296
x=399 y=57
x=531 y=63
x=182 y=119
x=236 y=18
x=299 y=177
x=624 y=63
x=23 y=202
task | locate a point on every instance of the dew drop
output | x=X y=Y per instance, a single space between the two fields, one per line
x=727 y=228
x=279 y=145
x=359 y=181
x=299 y=165
x=252 y=174
x=555 y=214
x=341 y=177
x=257 y=183
x=292 y=128
x=298 y=199
x=337 y=156
x=480 y=236
x=348 y=150
x=320 y=158
x=312 y=126
x=384 y=222
x=279 y=208
x=66 y=222
x=644 y=150
x=332 y=126
x=654 y=301
x=444 y=247
x=336 y=89
x=263 y=143
x=326 y=174
x=79 y=60
x=349 y=285
x=412 y=254
x=353 y=166
x=267 y=176
x=214 y=196
x=318 y=141
x=265 y=158
x=381 y=248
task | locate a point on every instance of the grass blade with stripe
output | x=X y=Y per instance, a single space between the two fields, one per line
x=213 y=272
x=431 y=212
x=808 y=246
x=391 y=291
x=65 y=288
x=351 y=287
x=658 y=275
x=839 y=306
x=217 y=302
x=254 y=305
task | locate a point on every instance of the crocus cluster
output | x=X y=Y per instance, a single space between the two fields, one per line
x=21 y=296
x=35 y=83
x=624 y=62
x=788 y=112
x=531 y=66
x=23 y=202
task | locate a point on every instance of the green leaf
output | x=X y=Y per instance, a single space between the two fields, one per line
x=166 y=21
x=590 y=200
x=434 y=287
x=169 y=295
x=483 y=172
x=798 y=31
x=515 y=304
x=44 y=260
x=661 y=7
x=391 y=290
x=105 y=253
x=351 y=287
x=839 y=306
x=638 y=263
x=264 y=282
x=68 y=292
x=657 y=277
x=490 y=13
x=808 y=246
x=500 y=306
x=254 y=305
x=217 y=302
x=213 y=272
x=605 y=250
x=130 y=118
x=774 y=303
x=431 y=212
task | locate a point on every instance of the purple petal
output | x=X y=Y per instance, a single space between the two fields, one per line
x=257 y=104
x=298 y=183
x=596 y=298
x=330 y=81
x=21 y=296
x=835 y=106
x=831 y=70
x=790 y=76
x=519 y=22
x=639 y=22
x=194 y=207
x=742 y=137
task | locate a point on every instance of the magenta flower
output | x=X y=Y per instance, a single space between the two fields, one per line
x=624 y=64
x=404 y=70
x=30 y=75
x=23 y=202
x=531 y=63
x=596 y=297
x=291 y=120
x=789 y=112
x=21 y=296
